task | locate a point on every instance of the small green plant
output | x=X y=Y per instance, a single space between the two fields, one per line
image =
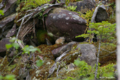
x=13 y=44
x=39 y=63
x=106 y=71
x=8 y=77
x=67 y=2
x=1 y=12
x=87 y=16
x=104 y=31
x=86 y=72
x=58 y=1
x=85 y=69
x=71 y=8
x=26 y=49
x=69 y=78
x=105 y=34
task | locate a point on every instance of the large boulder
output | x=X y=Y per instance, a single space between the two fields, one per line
x=61 y=22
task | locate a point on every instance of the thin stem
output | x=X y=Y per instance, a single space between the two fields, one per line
x=97 y=59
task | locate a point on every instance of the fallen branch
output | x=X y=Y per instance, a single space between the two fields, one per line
x=34 y=12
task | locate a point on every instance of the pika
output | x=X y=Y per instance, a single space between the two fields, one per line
x=60 y=40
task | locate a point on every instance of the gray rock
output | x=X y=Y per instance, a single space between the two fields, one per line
x=84 y=5
x=100 y=14
x=88 y=53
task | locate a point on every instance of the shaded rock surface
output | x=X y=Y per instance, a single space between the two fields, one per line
x=100 y=14
x=65 y=23
x=5 y=24
x=3 y=49
x=84 y=5
x=88 y=53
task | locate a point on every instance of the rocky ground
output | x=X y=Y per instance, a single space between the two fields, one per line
x=52 y=28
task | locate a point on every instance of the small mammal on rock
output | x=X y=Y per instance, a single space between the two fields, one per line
x=60 y=40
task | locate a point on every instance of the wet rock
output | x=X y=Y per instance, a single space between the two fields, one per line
x=100 y=14
x=61 y=22
x=3 y=42
x=83 y=6
x=88 y=53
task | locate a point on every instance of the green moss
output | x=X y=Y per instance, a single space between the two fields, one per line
x=29 y=4
x=11 y=67
x=87 y=16
x=86 y=72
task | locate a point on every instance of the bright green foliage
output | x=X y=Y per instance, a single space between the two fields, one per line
x=58 y=1
x=106 y=71
x=71 y=8
x=69 y=78
x=104 y=31
x=8 y=77
x=1 y=12
x=27 y=49
x=1 y=77
x=67 y=2
x=80 y=63
x=12 y=44
x=85 y=69
x=78 y=0
x=33 y=3
x=86 y=72
x=87 y=16
x=39 y=63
